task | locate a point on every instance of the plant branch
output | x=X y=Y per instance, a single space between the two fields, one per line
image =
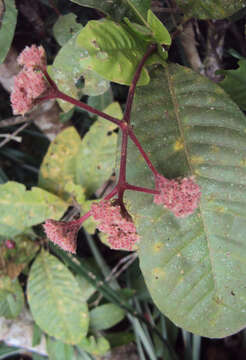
x=142 y=189
x=143 y=153
x=57 y=94
x=152 y=48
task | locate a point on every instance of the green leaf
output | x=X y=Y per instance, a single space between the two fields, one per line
x=37 y=335
x=86 y=288
x=194 y=267
x=11 y=297
x=120 y=338
x=118 y=9
x=210 y=9
x=21 y=208
x=112 y=51
x=64 y=315
x=7 y=29
x=65 y=27
x=95 y=160
x=95 y=346
x=66 y=71
x=160 y=33
x=235 y=83
x=100 y=102
x=57 y=350
x=58 y=168
x=105 y=316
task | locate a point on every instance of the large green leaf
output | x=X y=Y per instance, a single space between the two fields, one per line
x=194 y=267
x=112 y=51
x=11 y=297
x=20 y=209
x=7 y=29
x=210 y=9
x=66 y=71
x=118 y=9
x=95 y=160
x=64 y=315
x=235 y=83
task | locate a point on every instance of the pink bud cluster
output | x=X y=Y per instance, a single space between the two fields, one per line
x=180 y=196
x=120 y=228
x=30 y=83
x=63 y=233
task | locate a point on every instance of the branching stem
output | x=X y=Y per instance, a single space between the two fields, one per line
x=131 y=92
x=124 y=125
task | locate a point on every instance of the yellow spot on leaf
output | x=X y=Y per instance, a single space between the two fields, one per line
x=158 y=246
x=158 y=273
x=243 y=162
x=197 y=160
x=214 y=148
x=178 y=145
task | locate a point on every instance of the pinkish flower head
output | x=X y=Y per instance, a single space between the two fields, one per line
x=28 y=86
x=119 y=227
x=63 y=234
x=33 y=57
x=180 y=196
x=10 y=244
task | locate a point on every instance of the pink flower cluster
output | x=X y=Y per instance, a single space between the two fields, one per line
x=30 y=83
x=180 y=196
x=63 y=233
x=120 y=229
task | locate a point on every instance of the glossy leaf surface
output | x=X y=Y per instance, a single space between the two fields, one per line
x=160 y=33
x=21 y=208
x=210 y=9
x=194 y=267
x=64 y=315
x=112 y=51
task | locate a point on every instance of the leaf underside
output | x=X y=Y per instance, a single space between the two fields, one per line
x=194 y=267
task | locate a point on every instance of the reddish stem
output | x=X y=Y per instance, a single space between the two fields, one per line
x=124 y=125
x=142 y=189
x=143 y=153
x=123 y=158
x=57 y=94
x=131 y=92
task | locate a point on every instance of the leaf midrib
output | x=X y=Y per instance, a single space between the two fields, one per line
x=181 y=131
